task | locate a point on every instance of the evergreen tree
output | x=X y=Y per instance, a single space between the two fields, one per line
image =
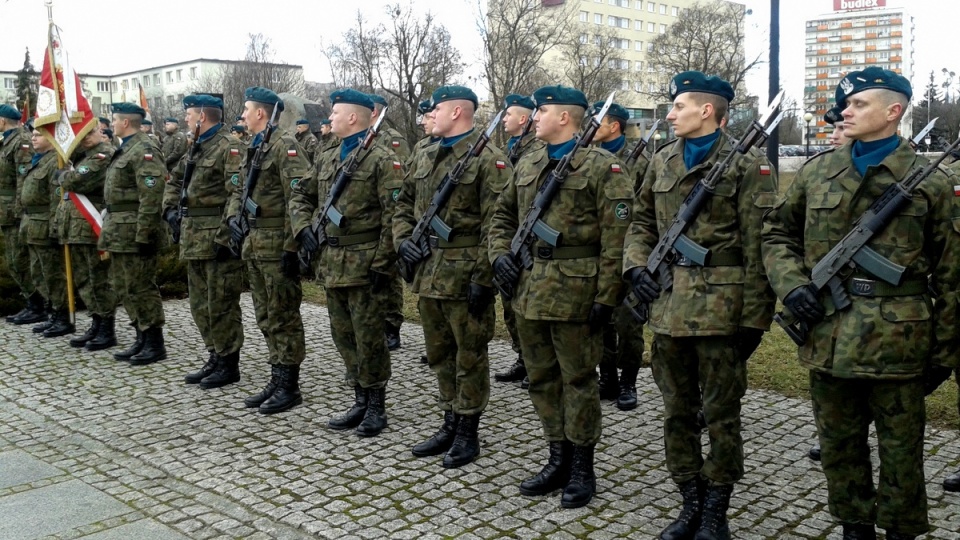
x=27 y=83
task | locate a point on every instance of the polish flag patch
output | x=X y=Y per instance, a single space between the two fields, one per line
x=501 y=165
x=396 y=165
x=396 y=144
x=234 y=152
x=148 y=157
x=24 y=146
x=764 y=170
x=101 y=156
x=292 y=152
x=616 y=168
x=956 y=191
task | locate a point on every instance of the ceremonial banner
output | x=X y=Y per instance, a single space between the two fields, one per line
x=143 y=102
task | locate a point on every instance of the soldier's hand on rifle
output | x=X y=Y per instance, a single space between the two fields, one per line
x=644 y=286
x=805 y=305
x=378 y=281
x=410 y=252
x=308 y=240
x=748 y=339
x=506 y=269
x=478 y=299
x=599 y=316
x=173 y=220
x=237 y=232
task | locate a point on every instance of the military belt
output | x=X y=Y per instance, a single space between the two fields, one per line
x=129 y=207
x=354 y=239
x=41 y=209
x=723 y=258
x=568 y=252
x=8 y=192
x=873 y=288
x=457 y=242
x=201 y=211
x=266 y=223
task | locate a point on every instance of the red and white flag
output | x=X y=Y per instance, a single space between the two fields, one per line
x=143 y=102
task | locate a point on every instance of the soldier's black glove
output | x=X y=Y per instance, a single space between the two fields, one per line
x=643 y=285
x=290 y=265
x=173 y=220
x=223 y=253
x=803 y=303
x=933 y=376
x=237 y=232
x=506 y=269
x=748 y=339
x=478 y=299
x=378 y=281
x=410 y=252
x=600 y=315
x=308 y=240
x=146 y=250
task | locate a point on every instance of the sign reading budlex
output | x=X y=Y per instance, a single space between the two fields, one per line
x=848 y=5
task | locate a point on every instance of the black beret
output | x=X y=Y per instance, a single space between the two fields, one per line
x=108 y=133
x=833 y=115
x=560 y=95
x=303 y=122
x=519 y=101
x=695 y=81
x=448 y=93
x=351 y=96
x=873 y=77
x=128 y=108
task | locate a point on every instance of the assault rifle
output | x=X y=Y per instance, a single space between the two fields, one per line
x=674 y=245
x=852 y=251
x=642 y=144
x=249 y=206
x=430 y=220
x=533 y=226
x=188 y=169
x=514 y=154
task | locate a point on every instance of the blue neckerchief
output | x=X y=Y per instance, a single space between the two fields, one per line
x=512 y=141
x=348 y=143
x=869 y=154
x=256 y=140
x=615 y=145
x=434 y=139
x=8 y=132
x=209 y=133
x=123 y=140
x=36 y=159
x=695 y=150
x=557 y=151
x=447 y=142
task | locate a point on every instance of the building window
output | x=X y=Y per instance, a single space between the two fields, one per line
x=597 y=18
x=103 y=86
x=651 y=7
x=624 y=65
x=624 y=85
x=651 y=27
x=638 y=86
x=650 y=47
x=179 y=97
x=639 y=4
x=663 y=9
x=171 y=101
x=638 y=25
x=663 y=29
x=611 y=20
x=157 y=102
x=156 y=79
x=638 y=65
x=124 y=85
x=583 y=39
x=675 y=11
x=584 y=16
x=146 y=80
x=10 y=83
x=625 y=23
x=179 y=75
x=638 y=46
x=169 y=76
x=113 y=86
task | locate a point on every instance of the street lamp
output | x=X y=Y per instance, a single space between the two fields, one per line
x=807 y=117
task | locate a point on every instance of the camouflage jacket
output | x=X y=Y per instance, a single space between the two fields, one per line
x=638 y=168
x=174 y=147
x=448 y=271
x=391 y=139
x=39 y=198
x=888 y=336
x=216 y=177
x=529 y=143
x=15 y=153
x=133 y=191
x=309 y=144
x=282 y=168
x=713 y=300
x=592 y=210
x=327 y=142
x=86 y=178
x=367 y=204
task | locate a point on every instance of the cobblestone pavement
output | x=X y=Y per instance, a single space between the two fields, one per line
x=201 y=464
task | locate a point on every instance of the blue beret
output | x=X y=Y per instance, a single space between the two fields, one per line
x=238 y=129
x=560 y=95
x=425 y=106
x=325 y=122
x=351 y=96
x=615 y=111
x=447 y=93
x=103 y=120
x=303 y=122
x=202 y=100
x=378 y=100
x=146 y=122
x=519 y=101
x=833 y=115
x=128 y=108
x=873 y=77
x=6 y=111
x=263 y=95
x=695 y=81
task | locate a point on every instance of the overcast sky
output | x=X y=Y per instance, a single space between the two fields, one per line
x=107 y=37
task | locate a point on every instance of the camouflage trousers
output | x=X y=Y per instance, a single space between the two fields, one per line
x=214 y=288
x=457 y=353
x=91 y=276
x=276 y=303
x=843 y=410
x=48 y=273
x=690 y=371
x=134 y=278
x=356 y=316
x=17 y=257
x=390 y=298
x=510 y=321
x=561 y=360
x=623 y=341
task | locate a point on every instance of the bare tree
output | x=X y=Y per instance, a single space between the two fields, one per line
x=592 y=62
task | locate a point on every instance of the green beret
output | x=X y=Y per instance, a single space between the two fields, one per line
x=378 y=100
x=873 y=77
x=425 y=106
x=202 y=100
x=695 y=81
x=146 y=122
x=560 y=95
x=325 y=122
x=447 y=93
x=349 y=95
x=6 y=111
x=239 y=118
x=171 y=120
x=303 y=122
x=519 y=101
x=128 y=108
x=238 y=129
x=833 y=115
x=263 y=95
x=615 y=111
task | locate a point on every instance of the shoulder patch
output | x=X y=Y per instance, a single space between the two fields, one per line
x=148 y=157
x=616 y=168
x=100 y=155
x=397 y=165
x=764 y=170
x=24 y=146
x=83 y=169
x=22 y=169
x=291 y=152
x=395 y=195
x=234 y=151
x=294 y=183
x=956 y=190
x=235 y=179
x=149 y=181
x=501 y=164
x=622 y=211
x=396 y=144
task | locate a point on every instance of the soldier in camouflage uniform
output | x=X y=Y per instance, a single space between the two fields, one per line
x=214 y=273
x=91 y=273
x=327 y=139
x=711 y=320
x=358 y=259
x=132 y=231
x=174 y=144
x=307 y=140
x=270 y=251
x=867 y=362
x=952 y=482
x=424 y=108
x=15 y=153
x=455 y=283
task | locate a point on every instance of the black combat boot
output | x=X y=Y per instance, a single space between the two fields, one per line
x=952 y=483
x=713 y=523
x=583 y=481
x=392 y=334
x=814 y=452
x=153 y=349
x=354 y=416
x=133 y=349
x=440 y=442
x=514 y=373
x=60 y=325
x=375 y=418
x=287 y=395
x=32 y=313
x=627 y=401
x=525 y=383
x=81 y=341
x=268 y=390
x=47 y=320
x=859 y=531
x=554 y=475
x=687 y=523
x=208 y=367
x=226 y=372
x=608 y=380
x=106 y=336
x=466 y=443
